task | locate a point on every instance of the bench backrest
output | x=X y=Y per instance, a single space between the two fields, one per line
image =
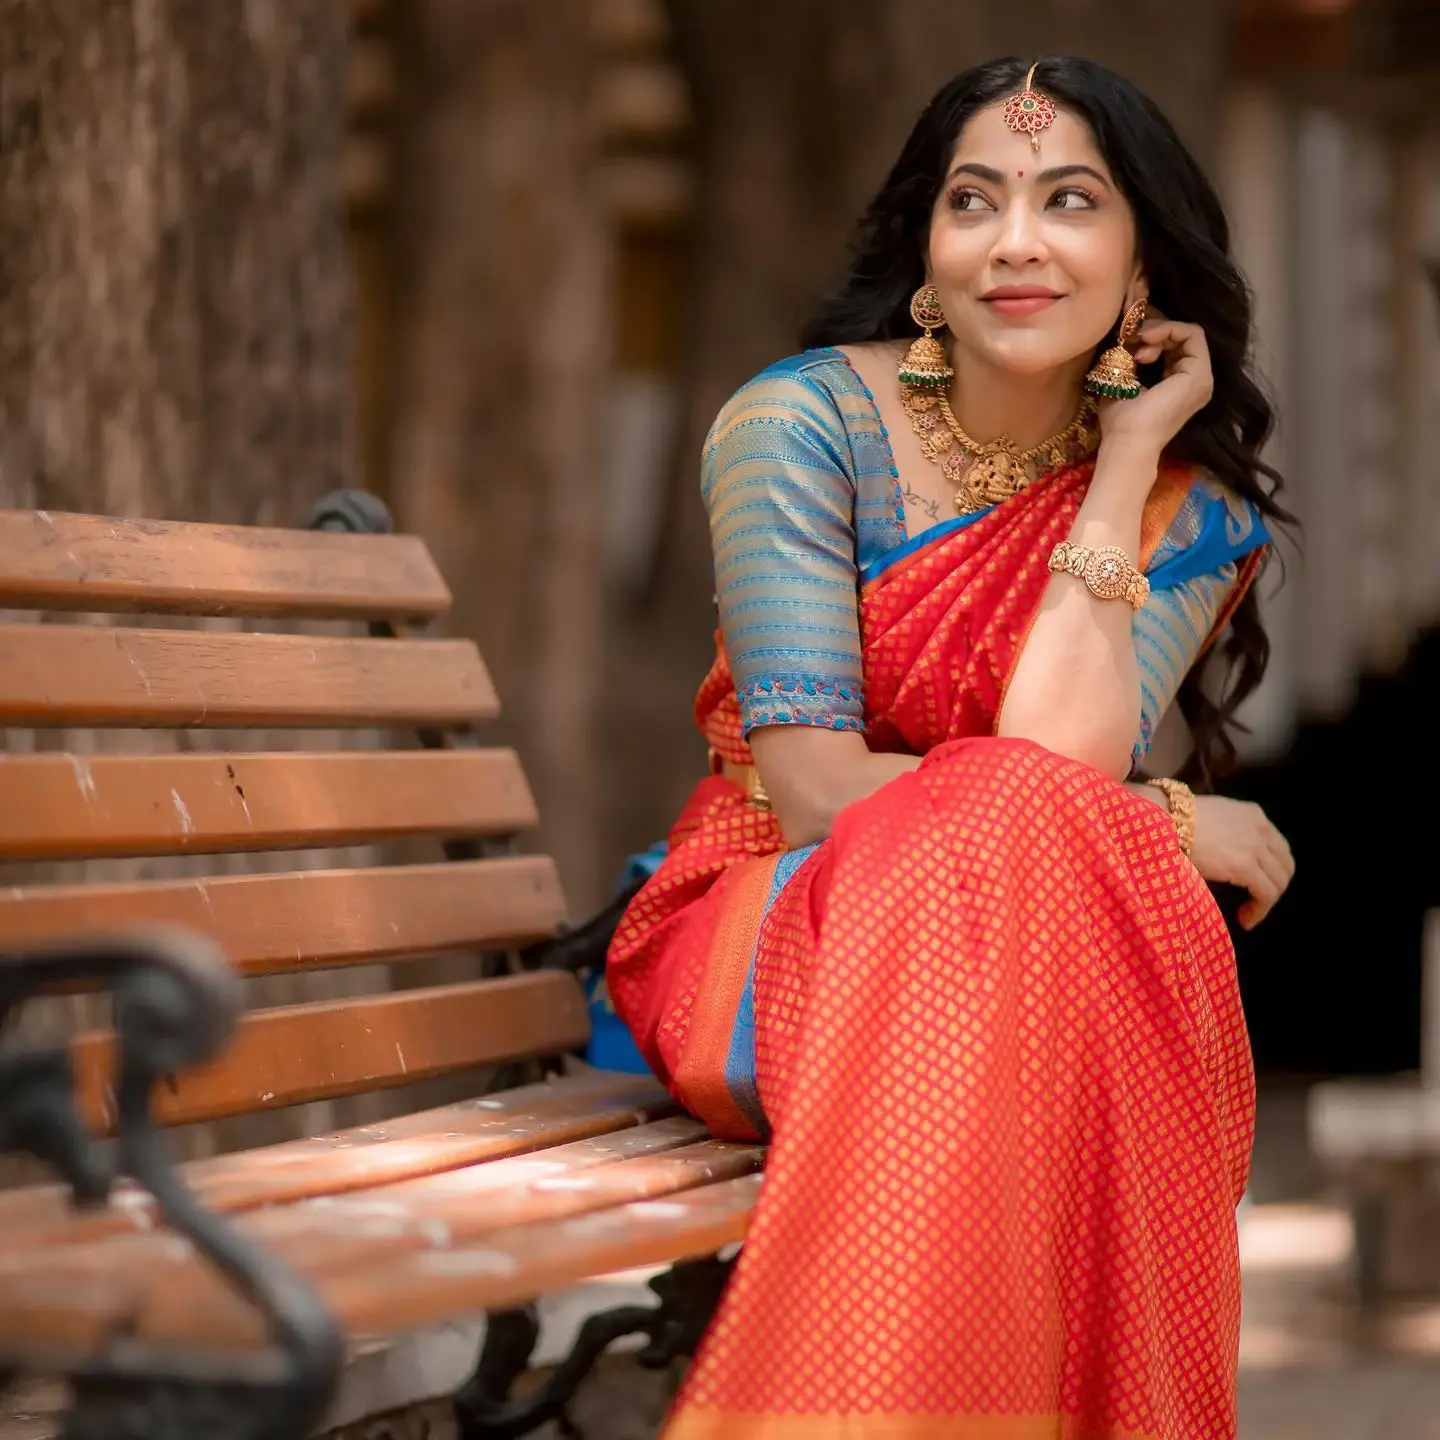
x=147 y=673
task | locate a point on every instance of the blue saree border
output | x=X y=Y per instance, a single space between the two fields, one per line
x=740 y=1078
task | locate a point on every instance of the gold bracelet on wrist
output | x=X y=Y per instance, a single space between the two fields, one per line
x=1180 y=801
x=1107 y=571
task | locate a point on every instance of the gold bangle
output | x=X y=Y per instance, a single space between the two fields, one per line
x=756 y=793
x=1106 y=570
x=1180 y=801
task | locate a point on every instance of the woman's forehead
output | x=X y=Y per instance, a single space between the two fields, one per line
x=987 y=140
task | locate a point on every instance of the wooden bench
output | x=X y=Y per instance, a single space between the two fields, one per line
x=231 y=1289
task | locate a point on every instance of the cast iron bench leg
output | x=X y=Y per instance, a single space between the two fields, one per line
x=688 y=1294
x=176 y=1002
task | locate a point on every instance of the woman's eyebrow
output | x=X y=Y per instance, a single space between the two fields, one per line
x=997 y=177
x=1063 y=172
x=982 y=172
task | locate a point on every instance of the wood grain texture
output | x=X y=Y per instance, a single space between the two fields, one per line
x=67 y=807
x=56 y=675
x=428 y=1142
x=297 y=1053
x=335 y=1239
x=69 y=1299
x=311 y=919
x=56 y=561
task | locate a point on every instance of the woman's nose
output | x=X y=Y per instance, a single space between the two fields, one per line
x=1021 y=240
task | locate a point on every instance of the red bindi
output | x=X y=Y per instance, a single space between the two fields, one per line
x=1020 y=174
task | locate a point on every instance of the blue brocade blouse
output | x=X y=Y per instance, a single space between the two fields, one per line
x=804 y=502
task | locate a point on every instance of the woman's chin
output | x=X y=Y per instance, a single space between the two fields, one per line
x=1021 y=357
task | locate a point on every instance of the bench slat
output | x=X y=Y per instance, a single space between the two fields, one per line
x=423 y=1287
x=51 y=561
x=297 y=1053
x=327 y=1235
x=461 y=1205
x=58 y=675
x=518 y=1265
x=311 y=919
x=55 y=807
x=428 y=1142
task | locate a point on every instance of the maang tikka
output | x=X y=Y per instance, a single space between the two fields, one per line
x=1029 y=112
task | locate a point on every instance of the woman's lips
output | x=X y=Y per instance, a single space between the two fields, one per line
x=1016 y=306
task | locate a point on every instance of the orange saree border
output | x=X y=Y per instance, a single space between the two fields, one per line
x=699 y=1075
x=692 y=1423
x=1162 y=505
x=1249 y=571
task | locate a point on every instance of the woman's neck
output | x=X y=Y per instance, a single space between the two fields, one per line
x=1029 y=409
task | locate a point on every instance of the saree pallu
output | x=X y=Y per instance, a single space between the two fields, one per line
x=993 y=1030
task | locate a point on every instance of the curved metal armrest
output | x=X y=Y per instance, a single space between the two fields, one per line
x=176 y=1005
x=356 y=511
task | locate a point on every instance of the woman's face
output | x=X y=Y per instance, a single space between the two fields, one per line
x=1034 y=255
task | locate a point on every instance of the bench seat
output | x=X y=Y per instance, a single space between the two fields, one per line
x=457 y=1211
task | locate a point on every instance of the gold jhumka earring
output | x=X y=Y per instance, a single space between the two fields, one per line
x=1114 y=376
x=1029 y=112
x=925 y=365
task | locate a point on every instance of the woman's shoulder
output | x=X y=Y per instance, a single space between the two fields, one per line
x=1201 y=524
x=811 y=392
x=824 y=369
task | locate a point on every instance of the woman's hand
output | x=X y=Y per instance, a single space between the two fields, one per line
x=1236 y=844
x=1153 y=419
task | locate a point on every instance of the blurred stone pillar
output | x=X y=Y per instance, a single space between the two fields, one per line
x=1254 y=172
x=1324 y=413
x=499 y=294
x=1416 y=232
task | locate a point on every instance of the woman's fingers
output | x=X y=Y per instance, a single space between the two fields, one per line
x=1280 y=848
x=1268 y=875
x=1182 y=344
x=1236 y=844
x=1184 y=341
x=1264 y=892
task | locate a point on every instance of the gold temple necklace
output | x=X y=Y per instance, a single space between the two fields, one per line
x=991 y=473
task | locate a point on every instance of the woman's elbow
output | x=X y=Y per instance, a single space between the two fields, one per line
x=802 y=823
x=1107 y=748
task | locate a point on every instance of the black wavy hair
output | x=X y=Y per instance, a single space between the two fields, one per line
x=1185 y=244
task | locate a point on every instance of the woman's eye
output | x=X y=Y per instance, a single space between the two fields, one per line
x=1073 y=198
x=969 y=200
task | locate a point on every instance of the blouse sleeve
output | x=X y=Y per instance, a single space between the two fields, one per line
x=781 y=502
x=1192 y=573
x=1169 y=632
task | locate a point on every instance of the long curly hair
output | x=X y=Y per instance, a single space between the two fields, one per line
x=1185 y=244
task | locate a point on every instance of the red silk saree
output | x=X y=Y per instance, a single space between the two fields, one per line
x=992 y=1028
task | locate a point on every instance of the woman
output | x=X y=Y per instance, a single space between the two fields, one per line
x=926 y=926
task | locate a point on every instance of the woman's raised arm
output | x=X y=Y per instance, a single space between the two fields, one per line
x=1076 y=686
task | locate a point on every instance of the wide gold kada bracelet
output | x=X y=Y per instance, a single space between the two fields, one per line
x=1107 y=571
x=1180 y=801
